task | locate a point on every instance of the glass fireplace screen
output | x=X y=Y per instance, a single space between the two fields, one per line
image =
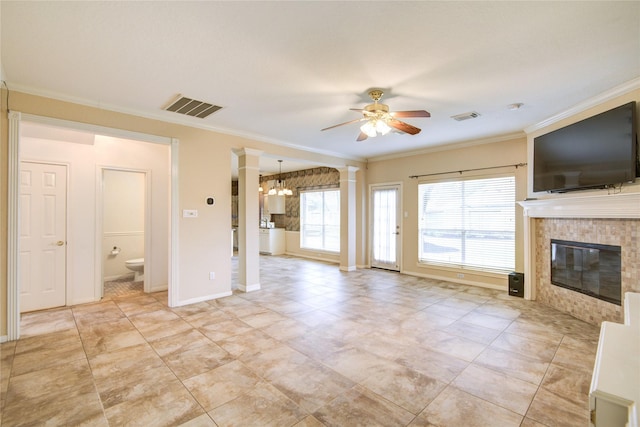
x=588 y=268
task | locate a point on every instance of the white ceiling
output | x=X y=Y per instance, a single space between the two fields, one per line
x=284 y=70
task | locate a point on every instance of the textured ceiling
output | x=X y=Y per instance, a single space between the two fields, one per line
x=284 y=70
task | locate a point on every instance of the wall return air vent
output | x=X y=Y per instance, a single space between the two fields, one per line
x=192 y=107
x=465 y=116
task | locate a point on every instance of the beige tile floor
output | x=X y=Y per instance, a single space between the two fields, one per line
x=315 y=346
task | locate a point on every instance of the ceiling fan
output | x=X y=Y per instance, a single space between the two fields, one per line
x=380 y=121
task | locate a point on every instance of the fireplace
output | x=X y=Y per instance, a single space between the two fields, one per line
x=602 y=218
x=588 y=268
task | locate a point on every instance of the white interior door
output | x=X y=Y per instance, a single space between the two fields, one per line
x=42 y=235
x=385 y=227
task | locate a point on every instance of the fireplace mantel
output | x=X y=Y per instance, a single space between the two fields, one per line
x=621 y=205
x=599 y=206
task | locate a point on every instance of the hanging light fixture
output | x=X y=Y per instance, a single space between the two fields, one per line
x=260 y=189
x=375 y=126
x=280 y=189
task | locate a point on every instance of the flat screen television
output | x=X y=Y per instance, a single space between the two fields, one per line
x=597 y=152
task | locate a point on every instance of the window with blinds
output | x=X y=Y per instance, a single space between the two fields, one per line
x=320 y=220
x=468 y=223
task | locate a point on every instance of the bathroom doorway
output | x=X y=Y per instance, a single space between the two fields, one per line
x=124 y=220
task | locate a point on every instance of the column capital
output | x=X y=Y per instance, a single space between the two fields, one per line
x=247 y=152
x=349 y=169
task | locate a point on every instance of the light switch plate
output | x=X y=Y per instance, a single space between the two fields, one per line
x=189 y=213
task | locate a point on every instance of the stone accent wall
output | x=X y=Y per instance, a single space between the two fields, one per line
x=619 y=232
x=307 y=179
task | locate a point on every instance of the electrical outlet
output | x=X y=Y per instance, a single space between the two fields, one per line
x=460 y=276
x=212 y=275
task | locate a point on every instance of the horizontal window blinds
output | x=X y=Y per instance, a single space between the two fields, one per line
x=468 y=223
x=320 y=220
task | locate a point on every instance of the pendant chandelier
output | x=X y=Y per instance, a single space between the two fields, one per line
x=280 y=189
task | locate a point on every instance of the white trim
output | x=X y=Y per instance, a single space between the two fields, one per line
x=160 y=288
x=122 y=233
x=317 y=258
x=13 y=224
x=448 y=147
x=15 y=117
x=101 y=130
x=174 y=214
x=622 y=205
x=248 y=288
x=100 y=234
x=119 y=277
x=204 y=298
x=400 y=222
x=3 y=339
x=179 y=119
x=459 y=281
x=349 y=268
x=589 y=103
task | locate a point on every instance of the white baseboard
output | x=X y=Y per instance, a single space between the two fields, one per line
x=3 y=338
x=203 y=298
x=317 y=258
x=83 y=301
x=460 y=281
x=118 y=277
x=250 y=288
x=161 y=288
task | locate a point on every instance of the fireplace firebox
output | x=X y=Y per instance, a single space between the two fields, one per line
x=588 y=268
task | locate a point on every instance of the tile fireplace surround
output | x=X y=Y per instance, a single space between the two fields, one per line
x=605 y=219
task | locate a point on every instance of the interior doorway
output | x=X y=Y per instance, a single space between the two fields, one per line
x=385 y=226
x=124 y=218
x=84 y=280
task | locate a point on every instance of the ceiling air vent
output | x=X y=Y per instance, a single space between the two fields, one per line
x=192 y=107
x=465 y=116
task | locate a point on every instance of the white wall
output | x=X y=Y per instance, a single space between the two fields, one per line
x=85 y=163
x=123 y=195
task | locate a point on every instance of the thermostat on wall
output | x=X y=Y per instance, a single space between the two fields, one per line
x=211 y=201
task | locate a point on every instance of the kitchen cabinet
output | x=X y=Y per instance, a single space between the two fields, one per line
x=272 y=241
x=274 y=204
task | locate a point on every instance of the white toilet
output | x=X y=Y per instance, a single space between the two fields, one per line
x=137 y=266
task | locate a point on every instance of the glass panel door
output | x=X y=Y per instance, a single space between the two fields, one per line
x=385 y=227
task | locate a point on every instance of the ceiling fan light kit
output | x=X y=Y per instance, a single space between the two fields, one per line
x=379 y=121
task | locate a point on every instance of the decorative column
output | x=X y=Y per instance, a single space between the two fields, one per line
x=248 y=219
x=348 y=218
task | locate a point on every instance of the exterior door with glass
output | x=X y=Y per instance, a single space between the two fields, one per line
x=385 y=226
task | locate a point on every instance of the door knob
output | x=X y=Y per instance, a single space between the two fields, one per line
x=60 y=243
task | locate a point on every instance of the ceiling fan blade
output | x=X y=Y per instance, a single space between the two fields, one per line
x=414 y=113
x=403 y=127
x=362 y=136
x=342 y=124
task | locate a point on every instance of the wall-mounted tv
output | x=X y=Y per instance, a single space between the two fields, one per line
x=597 y=152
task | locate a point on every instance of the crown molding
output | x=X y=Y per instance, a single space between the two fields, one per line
x=449 y=147
x=177 y=121
x=585 y=105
